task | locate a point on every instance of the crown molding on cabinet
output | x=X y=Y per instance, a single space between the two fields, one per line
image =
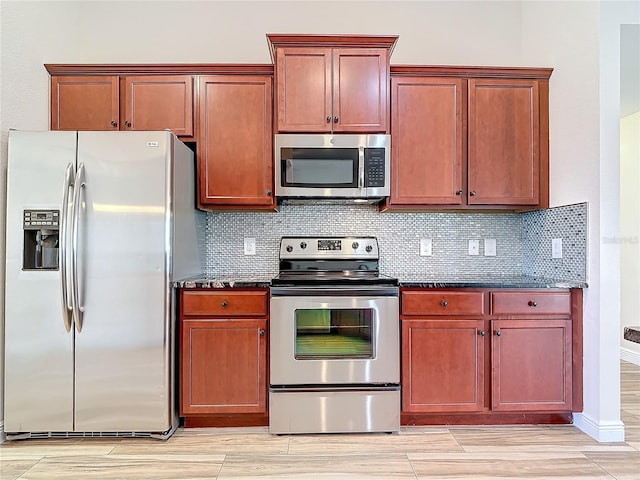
x=328 y=41
x=471 y=71
x=160 y=69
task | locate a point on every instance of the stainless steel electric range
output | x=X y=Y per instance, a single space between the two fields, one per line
x=334 y=342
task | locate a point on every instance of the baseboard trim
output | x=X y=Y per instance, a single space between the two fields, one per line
x=602 y=432
x=630 y=356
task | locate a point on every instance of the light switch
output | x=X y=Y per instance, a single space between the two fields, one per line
x=474 y=247
x=426 y=247
x=249 y=246
x=489 y=247
x=556 y=248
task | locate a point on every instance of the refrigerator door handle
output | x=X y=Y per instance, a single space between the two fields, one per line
x=67 y=308
x=78 y=308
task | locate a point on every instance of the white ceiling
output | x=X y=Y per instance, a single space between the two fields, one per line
x=629 y=69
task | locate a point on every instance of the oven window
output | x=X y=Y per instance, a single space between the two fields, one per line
x=334 y=333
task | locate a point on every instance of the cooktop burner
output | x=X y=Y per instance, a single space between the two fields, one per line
x=330 y=261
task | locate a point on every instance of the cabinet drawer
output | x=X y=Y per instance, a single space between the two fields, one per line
x=530 y=303
x=442 y=303
x=224 y=303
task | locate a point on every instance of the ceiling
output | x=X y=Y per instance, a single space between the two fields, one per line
x=629 y=69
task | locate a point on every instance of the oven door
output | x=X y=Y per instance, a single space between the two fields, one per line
x=334 y=340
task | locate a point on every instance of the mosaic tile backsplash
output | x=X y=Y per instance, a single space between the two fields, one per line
x=523 y=240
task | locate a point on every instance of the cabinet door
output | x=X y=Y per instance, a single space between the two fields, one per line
x=223 y=366
x=159 y=103
x=360 y=90
x=442 y=365
x=504 y=143
x=427 y=149
x=84 y=102
x=303 y=92
x=235 y=153
x=531 y=365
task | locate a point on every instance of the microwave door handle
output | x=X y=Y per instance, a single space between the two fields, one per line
x=361 y=168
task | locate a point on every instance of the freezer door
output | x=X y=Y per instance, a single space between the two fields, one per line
x=123 y=347
x=38 y=363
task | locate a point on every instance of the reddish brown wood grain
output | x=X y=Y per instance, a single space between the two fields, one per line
x=443 y=366
x=428 y=143
x=154 y=102
x=235 y=143
x=85 y=102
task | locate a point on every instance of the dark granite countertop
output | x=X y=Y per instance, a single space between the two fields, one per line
x=491 y=281
x=632 y=334
x=223 y=282
x=460 y=281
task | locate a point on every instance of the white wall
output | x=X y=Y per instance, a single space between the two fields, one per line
x=630 y=232
x=563 y=35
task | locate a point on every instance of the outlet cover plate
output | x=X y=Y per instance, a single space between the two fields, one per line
x=249 y=246
x=556 y=248
x=426 y=247
x=489 y=247
x=474 y=247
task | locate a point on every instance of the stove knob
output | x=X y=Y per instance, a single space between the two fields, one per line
x=303 y=245
x=368 y=248
x=289 y=248
x=355 y=245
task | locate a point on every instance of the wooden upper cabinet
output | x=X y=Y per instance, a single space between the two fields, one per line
x=469 y=138
x=504 y=135
x=158 y=103
x=427 y=147
x=235 y=157
x=116 y=102
x=85 y=102
x=330 y=83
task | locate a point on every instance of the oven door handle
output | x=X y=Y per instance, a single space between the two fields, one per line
x=335 y=291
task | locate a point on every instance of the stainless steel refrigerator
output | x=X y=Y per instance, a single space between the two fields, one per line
x=98 y=226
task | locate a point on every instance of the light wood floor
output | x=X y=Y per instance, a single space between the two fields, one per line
x=417 y=453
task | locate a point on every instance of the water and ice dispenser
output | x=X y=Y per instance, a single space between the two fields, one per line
x=41 y=239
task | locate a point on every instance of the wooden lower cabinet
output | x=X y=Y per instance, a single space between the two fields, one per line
x=531 y=365
x=223 y=357
x=465 y=362
x=442 y=366
x=224 y=366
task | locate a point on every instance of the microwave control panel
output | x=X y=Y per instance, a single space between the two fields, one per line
x=374 y=162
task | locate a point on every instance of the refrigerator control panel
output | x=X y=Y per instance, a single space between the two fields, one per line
x=41 y=219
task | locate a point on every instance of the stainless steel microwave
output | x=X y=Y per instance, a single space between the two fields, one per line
x=332 y=166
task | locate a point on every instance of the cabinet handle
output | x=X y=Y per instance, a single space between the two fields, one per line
x=127 y=123
x=498 y=333
x=482 y=333
x=328 y=118
x=261 y=332
x=224 y=304
x=444 y=303
x=335 y=119
x=269 y=192
x=114 y=123
x=473 y=193
x=532 y=303
x=459 y=192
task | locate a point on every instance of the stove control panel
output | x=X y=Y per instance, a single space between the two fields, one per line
x=329 y=247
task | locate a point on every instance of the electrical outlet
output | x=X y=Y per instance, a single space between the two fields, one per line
x=556 y=248
x=489 y=247
x=249 y=246
x=426 y=247
x=474 y=247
